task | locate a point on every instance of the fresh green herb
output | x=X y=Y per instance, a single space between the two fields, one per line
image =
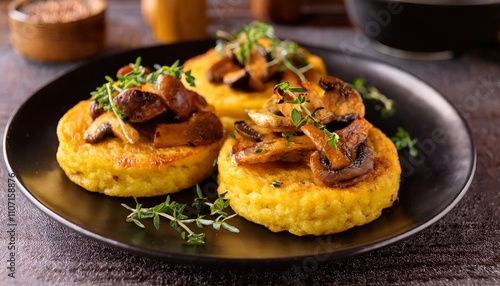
x=259 y=150
x=137 y=76
x=118 y=113
x=402 y=140
x=276 y=184
x=333 y=137
x=296 y=114
x=251 y=34
x=297 y=119
x=292 y=57
x=232 y=134
x=200 y=200
x=174 y=212
x=386 y=105
x=288 y=135
x=215 y=162
x=286 y=53
x=189 y=78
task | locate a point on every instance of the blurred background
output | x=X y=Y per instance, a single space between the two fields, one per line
x=409 y=29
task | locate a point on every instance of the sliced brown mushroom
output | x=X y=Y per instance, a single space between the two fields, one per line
x=252 y=76
x=202 y=128
x=95 y=111
x=217 y=71
x=350 y=138
x=253 y=132
x=106 y=124
x=268 y=119
x=199 y=103
x=336 y=158
x=257 y=70
x=324 y=114
x=140 y=106
x=176 y=96
x=341 y=99
x=282 y=106
x=311 y=103
x=298 y=148
x=343 y=177
x=246 y=131
x=237 y=79
x=338 y=102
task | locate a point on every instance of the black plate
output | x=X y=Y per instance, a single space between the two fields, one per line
x=432 y=183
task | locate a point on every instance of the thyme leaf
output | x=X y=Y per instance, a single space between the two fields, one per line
x=261 y=36
x=288 y=135
x=175 y=213
x=297 y=118
x=402 y=140
x=137 y=76
x=296 y=114
x=386 y=105
x=276 y=183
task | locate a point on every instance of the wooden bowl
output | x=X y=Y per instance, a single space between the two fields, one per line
x=57 y=40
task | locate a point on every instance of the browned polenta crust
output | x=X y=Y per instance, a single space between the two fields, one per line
x=300 y=204
x=116 y=168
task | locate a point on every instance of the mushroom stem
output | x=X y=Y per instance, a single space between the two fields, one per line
x=335 y=156
x=299 y=148
x=107 y=123
x=346 y=176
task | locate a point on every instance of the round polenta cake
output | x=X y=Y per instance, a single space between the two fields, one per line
x=120 y=169
x=231 y=104
x=285 y=197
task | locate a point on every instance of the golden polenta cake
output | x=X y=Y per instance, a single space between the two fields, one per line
x=143 y=134
x=284 y=196
x=240 y=72
x=117 y=168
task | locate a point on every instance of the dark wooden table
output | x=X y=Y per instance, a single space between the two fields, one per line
x=463 y=248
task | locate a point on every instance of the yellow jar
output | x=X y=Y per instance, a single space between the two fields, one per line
x=176 y=20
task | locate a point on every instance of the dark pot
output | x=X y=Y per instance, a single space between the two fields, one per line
x=427 y=25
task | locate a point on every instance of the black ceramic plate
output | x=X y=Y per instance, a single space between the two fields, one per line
x=432 y=183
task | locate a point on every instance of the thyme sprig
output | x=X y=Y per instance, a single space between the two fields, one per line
x=175 y=213
x=296 y=114
x=261 y=36
x=386 y=105
x=402 y=140
x=118 y=113
x=136 y=77
x=243 y=42
x=291 y=56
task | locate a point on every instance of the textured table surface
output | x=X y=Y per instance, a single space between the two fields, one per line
x=463 y=248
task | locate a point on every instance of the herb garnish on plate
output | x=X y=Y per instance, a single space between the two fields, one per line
x=175 y=213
